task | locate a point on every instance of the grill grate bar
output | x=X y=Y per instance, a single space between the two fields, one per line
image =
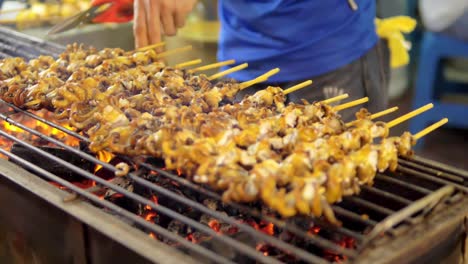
x=387 y=195
x=440 y=167
x=16 y=50
x=4 y=55
x=159 y=208
x=353 y=216
x=403 y=184
x=15 y=41
x=363 y=203
x=451 y=177
x=152 y=227
x=271 y=240
x=428 y=177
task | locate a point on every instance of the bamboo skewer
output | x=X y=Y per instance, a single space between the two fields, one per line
x=262 y=78
x=335 y=99
x=157 y=45
x=376 y=115
x=269 y=73
x=297 y=87
x=188 y=63
x=430 y=128
x=409 y=115
x=213 y=65
x=173 y=51
x=351 y=104
x=247 y=84
x=384 y=112
x=228 y=71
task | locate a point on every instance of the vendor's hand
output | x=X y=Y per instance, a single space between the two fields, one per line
x=153 y=18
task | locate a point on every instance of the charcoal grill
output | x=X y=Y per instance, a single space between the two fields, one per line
x=15 y=44
x=415 y=215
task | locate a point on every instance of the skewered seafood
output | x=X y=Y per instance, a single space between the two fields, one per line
x=297 y=159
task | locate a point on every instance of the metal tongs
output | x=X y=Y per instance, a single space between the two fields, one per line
x=79 y=19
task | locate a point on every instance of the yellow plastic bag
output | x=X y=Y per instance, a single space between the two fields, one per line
x=392 y=30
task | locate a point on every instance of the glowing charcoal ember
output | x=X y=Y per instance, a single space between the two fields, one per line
x=214 y=225
x=104 y=156
x=314 y=230
x=150 y=216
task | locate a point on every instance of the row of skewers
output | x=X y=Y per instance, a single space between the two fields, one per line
x=295 y=158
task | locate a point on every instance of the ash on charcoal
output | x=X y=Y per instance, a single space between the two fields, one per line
x=52 y=166
x=168 y=202
x=176 y=227
x=124 y=202
x=121 y=182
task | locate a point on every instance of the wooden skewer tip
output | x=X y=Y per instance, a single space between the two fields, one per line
x=351 y=104
x=430 y=129
x=384 y=112
x=228 y=71
x=213 y=65
x=188 y=63
x=157 y=45
x=409 y=115
x=270 y=73
x=247 y=84
x=335 y=99
x=297 y=87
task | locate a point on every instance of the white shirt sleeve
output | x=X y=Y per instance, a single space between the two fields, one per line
x=437 y=15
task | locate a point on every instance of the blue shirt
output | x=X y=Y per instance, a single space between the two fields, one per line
x=304 y=38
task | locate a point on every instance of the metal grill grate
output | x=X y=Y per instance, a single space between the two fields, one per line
x=14 y=44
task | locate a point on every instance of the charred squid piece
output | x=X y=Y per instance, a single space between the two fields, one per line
x=12 y=92
x=41 y=92
x=10 y=67
x=20 y=99
x=122 y=169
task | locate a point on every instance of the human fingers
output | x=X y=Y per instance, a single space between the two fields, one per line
x=140 y=30
x=168 y=11
x=154 y=22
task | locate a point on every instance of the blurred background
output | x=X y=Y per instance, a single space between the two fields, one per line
x=437 y=72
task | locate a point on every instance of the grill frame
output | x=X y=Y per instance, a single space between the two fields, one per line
x=422 y=166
